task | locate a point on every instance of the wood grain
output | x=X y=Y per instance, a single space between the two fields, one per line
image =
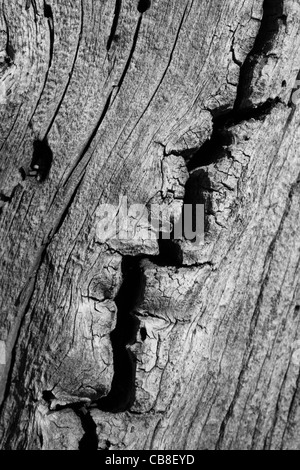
x=186 y=102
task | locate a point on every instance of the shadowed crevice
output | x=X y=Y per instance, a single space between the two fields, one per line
x=89 y=441
x=118 y=6
x=215 y=147
x=273 y=17
x=49 y=15
x=122 y=394
x=199 y=188
x=143 y=5
x=41 y=160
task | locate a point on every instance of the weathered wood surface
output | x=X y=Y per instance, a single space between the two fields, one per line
x=187 y=101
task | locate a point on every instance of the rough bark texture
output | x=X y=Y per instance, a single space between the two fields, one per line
x=146 y=345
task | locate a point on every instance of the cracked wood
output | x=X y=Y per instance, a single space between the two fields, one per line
x=175 y=100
